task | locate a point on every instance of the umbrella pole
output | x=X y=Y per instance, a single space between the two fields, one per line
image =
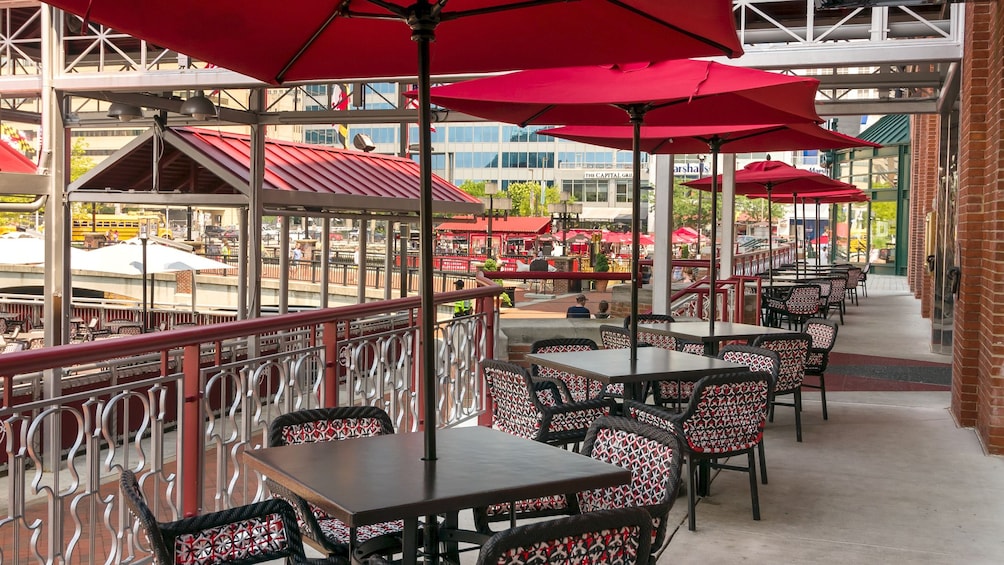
x=637 y=116
x=770 y=237
x=819 y=243
x=794 y=205
x=715 y=145
x=423 y=32
x=143 y=239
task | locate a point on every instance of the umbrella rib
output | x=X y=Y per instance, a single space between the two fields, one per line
x=536 y=115
x=724 y=49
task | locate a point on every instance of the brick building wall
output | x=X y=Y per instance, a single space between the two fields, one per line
x=978 y=354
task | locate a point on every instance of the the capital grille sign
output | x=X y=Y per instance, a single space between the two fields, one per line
x=607 y=175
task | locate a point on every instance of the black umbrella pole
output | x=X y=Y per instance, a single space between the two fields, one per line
x=636 y=119
x=713 y=271
x=770 y=237
x=423 y=35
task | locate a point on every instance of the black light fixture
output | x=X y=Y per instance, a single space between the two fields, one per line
x=124 y=112
x=199 y=107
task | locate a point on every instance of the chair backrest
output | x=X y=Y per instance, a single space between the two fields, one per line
x=12 y=347
x=653 y=456
x=803 y=299
x=269 y=534
x=328 y=424
x=515 y=409
x=642 y=318
x=130 y=329
x=838 y=286
x=577 y=315
x=580 y=388
x=853 y=276
x=793 y=349
x=93 y=324
x=16 y=332
x=620 y=536
x=822 y=333
x=614 y=337
x=758 y=359
x=36 y=343
x=539 y=265
x=726 y=413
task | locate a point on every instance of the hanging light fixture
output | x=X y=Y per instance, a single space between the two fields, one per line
x=124 y=112
x=199 y=107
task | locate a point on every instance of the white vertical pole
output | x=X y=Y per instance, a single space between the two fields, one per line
x=662 y=268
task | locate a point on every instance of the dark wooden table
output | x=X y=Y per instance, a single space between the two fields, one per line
x=377 y=479
x=653 y=364
x=702 y=331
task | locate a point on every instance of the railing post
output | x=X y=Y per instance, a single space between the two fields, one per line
x=488 y=307
x=330 y=392
x=192 y=448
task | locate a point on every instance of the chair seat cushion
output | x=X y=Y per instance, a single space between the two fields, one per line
x=337 y=531
x=232 y=542
x=530 y=506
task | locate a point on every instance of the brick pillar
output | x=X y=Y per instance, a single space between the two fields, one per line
x=924 y=167
x=977 y=386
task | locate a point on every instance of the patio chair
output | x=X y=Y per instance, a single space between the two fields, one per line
x=824 y=336
x=800 y=303
x=255 y=533
x=11 y=346
x=792 y=349
x=540 y=266
x=574 y=388
x=758 y=360
x=863 y=281
x=642 y=318
x=518 y=408
x=326 y=533
x=130 y=329
x=726 y=416
x=835 y=298
x=655 y=459
x=854 y=275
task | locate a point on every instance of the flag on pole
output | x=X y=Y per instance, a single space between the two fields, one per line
x=340 y=102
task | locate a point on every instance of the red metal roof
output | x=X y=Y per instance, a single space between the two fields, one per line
x=13 y=161
x=513 y=224
x=204 y=161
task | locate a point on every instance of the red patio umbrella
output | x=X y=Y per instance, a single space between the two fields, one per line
x=684 y=235
x=677 y=92
x=308 y=42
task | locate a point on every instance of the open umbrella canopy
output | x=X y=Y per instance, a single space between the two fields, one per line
x=679 y=92
x=29 y=250
x=775 y=178
x=126 y=258
x=685 y=235
x=696 y=139
x=367 y=38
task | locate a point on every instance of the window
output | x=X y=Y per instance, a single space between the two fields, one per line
x=474 y=134
x=587 y=190
x=623 y=191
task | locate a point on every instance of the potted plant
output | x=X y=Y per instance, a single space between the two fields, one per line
x=601 y=265
x=508 y=296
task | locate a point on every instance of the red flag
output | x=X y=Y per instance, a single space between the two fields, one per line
x=340 y=102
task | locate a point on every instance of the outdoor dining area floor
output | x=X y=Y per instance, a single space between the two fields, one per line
x=889 y=478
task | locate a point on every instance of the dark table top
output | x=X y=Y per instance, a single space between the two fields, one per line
x=653 y=363
x=701 y=331
x=376 y=479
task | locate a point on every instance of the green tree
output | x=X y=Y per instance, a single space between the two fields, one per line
x=80 y=163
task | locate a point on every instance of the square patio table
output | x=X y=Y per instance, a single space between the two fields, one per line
x=701 y=331
x=377 y=479
x=610 y=366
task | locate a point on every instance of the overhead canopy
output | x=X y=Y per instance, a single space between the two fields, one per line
x=206 y=167
x=513 y=225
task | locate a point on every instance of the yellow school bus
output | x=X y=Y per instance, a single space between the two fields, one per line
x=124 y=226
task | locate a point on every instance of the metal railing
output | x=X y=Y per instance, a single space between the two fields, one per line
x=179 y=408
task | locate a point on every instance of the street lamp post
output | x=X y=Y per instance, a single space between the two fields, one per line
x=144 y=236
x=565 y=210
x=494 y=203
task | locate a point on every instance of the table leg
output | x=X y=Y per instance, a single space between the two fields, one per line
x=451 y=548
x=409 y=542
x=635 y=391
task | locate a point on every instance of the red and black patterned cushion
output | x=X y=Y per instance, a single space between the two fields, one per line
x=614 y=339
x=530 y=506
x=513 y=410
x=331 y=430
x=757 y=363
x=803 y=300
x=823 y=335
x=728 y=417
x=793 y=353
x=231 y=542
x=335 y=529
x=615 y=546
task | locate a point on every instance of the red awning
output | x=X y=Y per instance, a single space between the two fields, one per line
x=13 y=161
x=511 y=225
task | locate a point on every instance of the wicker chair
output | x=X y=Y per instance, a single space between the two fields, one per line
x=759 y=360
x=799 y=304
x=653 y=456
x=854 y=275
x=863 y=281
x=520 y=409
x=642 y=318
x=835 y=298
x=255 y=533
x=574 y=388
x=824 y=337
x=708 y=433
x=525 y=409
x=326 y=533
x=793 y=349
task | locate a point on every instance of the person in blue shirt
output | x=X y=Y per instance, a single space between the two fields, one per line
x=579 y=310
